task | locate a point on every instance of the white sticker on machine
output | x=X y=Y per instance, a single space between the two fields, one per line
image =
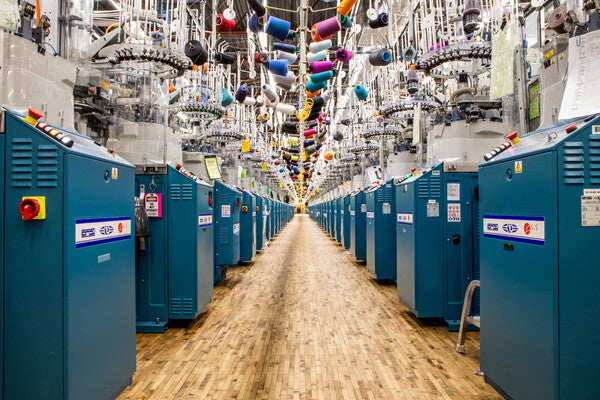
x=225 y=211
x=363 y=208
x=386 y=208
x=89 y=232
x=453 y=212
x=433 y=209
x=590 y=210
x=236 y=228
x=453 y=190
x=520 y=229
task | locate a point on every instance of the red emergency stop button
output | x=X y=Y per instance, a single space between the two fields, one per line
x=29 y=208
x=33 y=116
x=34 y=113
x=244 y=208
x=570 y=128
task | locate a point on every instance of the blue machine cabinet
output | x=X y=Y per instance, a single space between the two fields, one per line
x=331 y=218
x=272 y=217
x=175 y=262
x=247 y=227
x=260 y=222
x=346 y=222
x=227 y=228
x=69 y=290
x=267 y=214
x=358 y=229
x=381 y=225
x=2 y=160
x=437 y=210
x=339 y=216
x=540 y=204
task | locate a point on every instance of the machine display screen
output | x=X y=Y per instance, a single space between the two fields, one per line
x=534 y=101
x=212 y=167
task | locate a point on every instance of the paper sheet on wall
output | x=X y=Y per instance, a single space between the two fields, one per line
x=582 y=96
x=8 y=14
x=503 y=62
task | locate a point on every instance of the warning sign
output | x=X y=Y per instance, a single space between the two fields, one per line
x=590 y=210
x=153 y=205
x=453 y=212
x=386 y=208
x=225 y=211
x=433 y=209
x=518 y=167
x=453 y=191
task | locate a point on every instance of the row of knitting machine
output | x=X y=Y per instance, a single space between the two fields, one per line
x=480 y=203
x=128 y=186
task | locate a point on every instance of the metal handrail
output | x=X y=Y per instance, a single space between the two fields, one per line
x=465 y=317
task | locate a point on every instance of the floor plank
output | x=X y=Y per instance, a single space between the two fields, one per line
x=304 y=321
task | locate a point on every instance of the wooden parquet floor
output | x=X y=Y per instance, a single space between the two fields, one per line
x=304 y=321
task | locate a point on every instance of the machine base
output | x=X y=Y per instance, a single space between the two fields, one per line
x=454 y=326
x=122 y=388
x=150 y=327
x=497 y=388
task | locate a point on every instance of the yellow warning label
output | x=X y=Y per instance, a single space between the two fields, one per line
x=263 y=166
x=245 y=146
x=549 y=54
x=518 y=167
x=115 y=173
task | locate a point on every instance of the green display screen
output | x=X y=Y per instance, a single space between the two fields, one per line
x=212 y=167
x=534 y=101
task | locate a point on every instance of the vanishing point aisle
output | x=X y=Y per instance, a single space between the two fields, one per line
x=304 y=321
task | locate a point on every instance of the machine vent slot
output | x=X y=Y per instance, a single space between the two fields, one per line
x=594 y=160
x=423 y=188
x=175 y=191
x=179 y=306
x=47 y=166
x=21 y=160
x=223 y=237
x=574 y=166
x=435 y=187
x=223 y=198
x=187 y=191
x=384 y=195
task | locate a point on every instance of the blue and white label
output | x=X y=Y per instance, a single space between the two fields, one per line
x=352 y=213
x=89 y=232
x=519 y=229
x=370 y=215
x=236 y=228
x=405 y=218
x=204 y=219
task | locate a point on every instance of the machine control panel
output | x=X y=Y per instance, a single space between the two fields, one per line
x=535 y=141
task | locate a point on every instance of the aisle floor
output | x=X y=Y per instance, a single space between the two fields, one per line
x=304 y=321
